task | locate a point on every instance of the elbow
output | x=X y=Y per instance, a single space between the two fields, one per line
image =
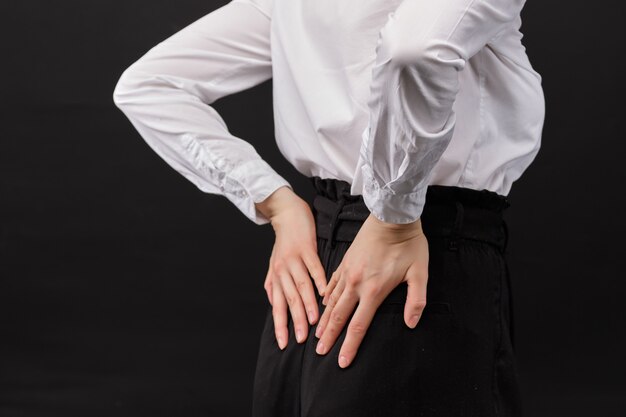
x=134 y=83
x=142 y=82
x=126 y=86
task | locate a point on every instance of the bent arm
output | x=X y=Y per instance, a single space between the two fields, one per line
x=415 y=81
x=168 y=92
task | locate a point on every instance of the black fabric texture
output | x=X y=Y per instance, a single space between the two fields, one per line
x=459 y=360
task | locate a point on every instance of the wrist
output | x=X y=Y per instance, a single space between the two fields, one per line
x=279 y=199
x=408 y=229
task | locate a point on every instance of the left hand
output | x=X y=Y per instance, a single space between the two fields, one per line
x=381 y=256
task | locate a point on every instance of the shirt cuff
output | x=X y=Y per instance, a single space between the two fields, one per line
x=253 y=182
x=387 y=205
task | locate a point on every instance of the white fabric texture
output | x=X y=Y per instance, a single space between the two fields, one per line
x=390 y=96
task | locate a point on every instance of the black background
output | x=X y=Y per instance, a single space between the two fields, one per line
x=122 y=294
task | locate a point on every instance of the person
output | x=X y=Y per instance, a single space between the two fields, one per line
x=389 y=293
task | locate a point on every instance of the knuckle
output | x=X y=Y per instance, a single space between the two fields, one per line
x=279 y=264
x=335 y=317
x=300 y=285
x=273 y=278
x=291 y=300
x=357 y=327
x=332 y=299
x=353 y=278
x=373 y=291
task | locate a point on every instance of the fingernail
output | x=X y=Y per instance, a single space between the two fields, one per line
x=413 y=320
x=311 y=316
x=324 y=300
x=299 y=334
x=280 y=343
x=318 y=331
x=320 y=348
x=343 y=361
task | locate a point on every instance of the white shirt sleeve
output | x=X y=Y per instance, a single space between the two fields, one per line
x=420 y=50
x=168 y=92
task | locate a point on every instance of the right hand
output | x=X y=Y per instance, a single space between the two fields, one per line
x=294 y=256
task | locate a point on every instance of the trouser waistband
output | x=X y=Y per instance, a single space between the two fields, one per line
x=449 y=211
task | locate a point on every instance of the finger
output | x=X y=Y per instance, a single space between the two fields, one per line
x=316 y=270
x=415 y=295
x=333 y=297
x=337 y=320
x=279 y=313
x=268 y=278
x=334 y=278
x=357 y=328
x=304 y=285
x=296 y=307
x=267 y=285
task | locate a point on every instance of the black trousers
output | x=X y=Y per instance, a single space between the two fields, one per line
x=458 y=361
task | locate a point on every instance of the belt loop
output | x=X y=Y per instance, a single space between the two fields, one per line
x=456 y=230
x=333 y=226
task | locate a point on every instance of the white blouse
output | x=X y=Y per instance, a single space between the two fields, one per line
x=389 y=95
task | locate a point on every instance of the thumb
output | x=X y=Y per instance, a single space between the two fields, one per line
x=415 y=296
x=316 y=270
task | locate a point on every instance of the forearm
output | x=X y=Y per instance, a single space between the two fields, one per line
x=168 y=94
x=415 y=82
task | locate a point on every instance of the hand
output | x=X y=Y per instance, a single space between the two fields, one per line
x=294 y=257
x=381 y=256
